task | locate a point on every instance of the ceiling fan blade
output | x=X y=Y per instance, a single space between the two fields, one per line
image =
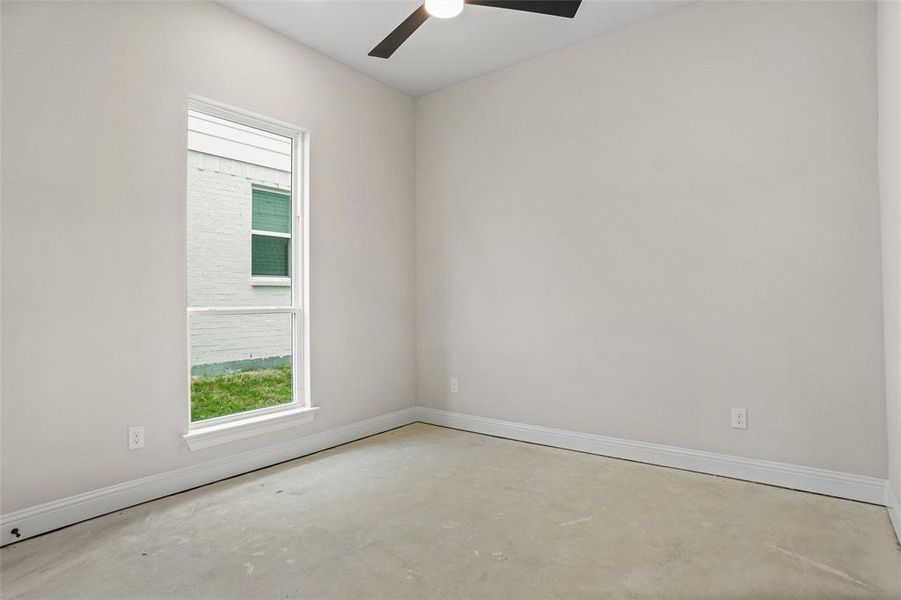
x=557 y=8
x=400 y=34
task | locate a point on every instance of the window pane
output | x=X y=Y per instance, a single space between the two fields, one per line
x=239 y=363
x=239 y=178
x=271 y=211
x=271 y=256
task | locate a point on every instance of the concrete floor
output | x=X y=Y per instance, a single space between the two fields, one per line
x=429 y=512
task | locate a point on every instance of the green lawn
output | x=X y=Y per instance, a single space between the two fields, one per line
x=218 y=395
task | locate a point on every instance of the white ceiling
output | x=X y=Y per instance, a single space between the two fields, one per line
x=443 y=51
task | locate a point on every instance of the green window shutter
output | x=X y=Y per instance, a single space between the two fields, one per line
x=270 y=256
x=271 y=211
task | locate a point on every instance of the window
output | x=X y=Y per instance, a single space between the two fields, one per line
x=248 y=352
x=271 y=235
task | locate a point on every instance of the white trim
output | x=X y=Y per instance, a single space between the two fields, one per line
x=271 y=281
x=301 y=288
x=53 y=515
x=808 y=479
x=203 y=435
x=894 y=509
x=248 y=416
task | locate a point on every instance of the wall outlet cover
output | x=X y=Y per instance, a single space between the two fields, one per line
x=135 y=437
x=739 y=418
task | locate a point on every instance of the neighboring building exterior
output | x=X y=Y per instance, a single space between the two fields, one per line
x=238 y=244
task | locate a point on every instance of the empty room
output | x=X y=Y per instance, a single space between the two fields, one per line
x=476 y=299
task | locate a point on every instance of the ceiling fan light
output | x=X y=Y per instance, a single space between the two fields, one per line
x=444 y=9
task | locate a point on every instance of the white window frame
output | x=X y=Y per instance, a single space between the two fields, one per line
x=269 y=280
x=210 y=432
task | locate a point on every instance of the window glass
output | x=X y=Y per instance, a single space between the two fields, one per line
x=271 y=256
x=239 y=188
x=235 y=368
x=271 y=211
x=241 y=243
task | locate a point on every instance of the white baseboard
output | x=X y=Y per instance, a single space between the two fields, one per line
x=894 y=509
x=67 y=511
x=53 y=515
x=808 y=479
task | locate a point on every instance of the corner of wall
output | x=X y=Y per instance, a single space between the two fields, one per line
x=889 y=147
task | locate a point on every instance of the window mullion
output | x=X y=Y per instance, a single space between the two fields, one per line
x=241 y=310
x=277 y=234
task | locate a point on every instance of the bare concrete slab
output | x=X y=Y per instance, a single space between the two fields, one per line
x=426 y=512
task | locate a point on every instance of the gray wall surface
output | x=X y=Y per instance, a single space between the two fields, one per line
x=889 y=36
x=633 y=235
x=93 y=250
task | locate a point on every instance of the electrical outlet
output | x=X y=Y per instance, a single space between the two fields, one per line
x=454 y=386
x=135 y=437
x=739 y=418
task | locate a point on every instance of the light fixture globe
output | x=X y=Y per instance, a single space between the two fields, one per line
x=444 y=9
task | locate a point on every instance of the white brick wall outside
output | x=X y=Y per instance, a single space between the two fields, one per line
x=218 y=250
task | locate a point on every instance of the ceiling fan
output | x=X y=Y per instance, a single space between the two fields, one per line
x=445 y=9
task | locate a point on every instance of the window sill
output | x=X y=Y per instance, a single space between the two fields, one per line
x=270 y=281
x=223 y=433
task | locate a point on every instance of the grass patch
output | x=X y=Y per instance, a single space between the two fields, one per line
x=218 y=395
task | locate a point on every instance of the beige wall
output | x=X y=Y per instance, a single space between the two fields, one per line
x=93 y=250
x=889 y=36
x=633 y=235
x=625 y=237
